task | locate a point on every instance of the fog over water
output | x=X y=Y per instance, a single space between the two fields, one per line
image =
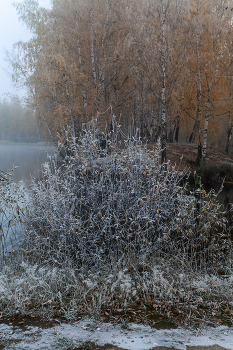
x=27 y=157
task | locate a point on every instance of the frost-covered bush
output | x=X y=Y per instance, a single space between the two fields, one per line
x=110 y=205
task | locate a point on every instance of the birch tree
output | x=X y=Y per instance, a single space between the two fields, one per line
x=161 y=53
x=205 y=53
x=73 y=59
x=156 y=64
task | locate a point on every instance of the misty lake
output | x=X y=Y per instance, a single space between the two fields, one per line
x=28 y=157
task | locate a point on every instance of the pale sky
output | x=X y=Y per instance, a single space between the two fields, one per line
x=11 y=31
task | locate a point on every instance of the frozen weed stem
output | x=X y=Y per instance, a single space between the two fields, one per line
x=54 y=292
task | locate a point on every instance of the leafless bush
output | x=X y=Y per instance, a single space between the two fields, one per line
x=108 y=207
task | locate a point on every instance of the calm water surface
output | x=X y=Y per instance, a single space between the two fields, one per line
x=27 y=157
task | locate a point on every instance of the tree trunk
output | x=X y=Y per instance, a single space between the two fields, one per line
x=102 y=72
x=199 y=155
x=84 y=97
x=92 y=52
x=54 y=142
x=163 y=92
x=206 y=128
x=193 y=133
x=170 y=136
x=199 y=114
x=177 y=129
x=68 y=100
x=115 y=76
x=229 y=134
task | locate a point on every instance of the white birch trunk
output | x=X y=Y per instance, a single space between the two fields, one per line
x=199 y=113
x=163 y=91
x=115 y=75
x=199 y=90
x=68 y=99
x=206 y=128
x=109 y=84
x=92 y=51
x=84 y=96
x=102 y=71
x=80 y=68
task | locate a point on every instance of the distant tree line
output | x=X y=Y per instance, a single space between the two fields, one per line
x=17 y=124
x=164 y=66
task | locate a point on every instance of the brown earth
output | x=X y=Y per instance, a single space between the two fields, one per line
x=183 y=155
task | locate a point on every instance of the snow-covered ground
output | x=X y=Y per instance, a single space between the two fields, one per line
x=135 y=337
